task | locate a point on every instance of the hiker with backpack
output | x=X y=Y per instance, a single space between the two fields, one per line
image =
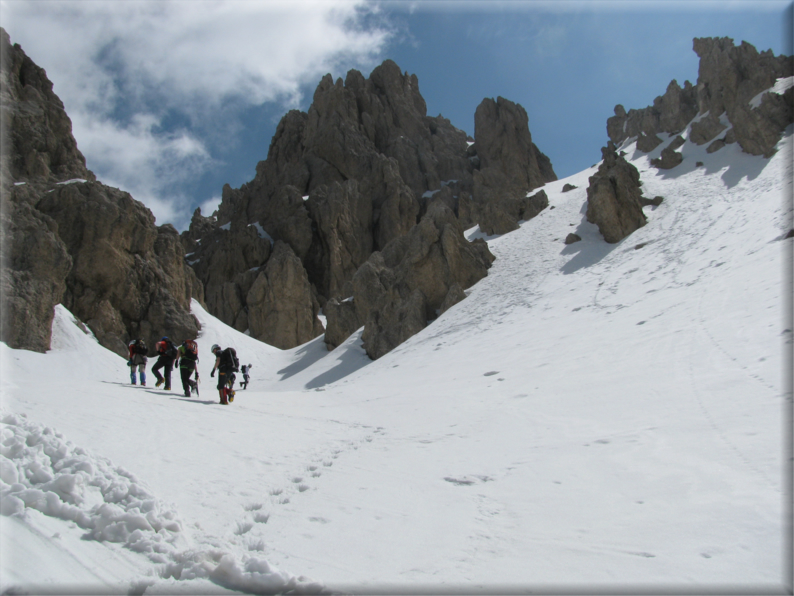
x=137 y=361
x=188 y=358
x=167 y=354
x=226 y=363
x=245 y=369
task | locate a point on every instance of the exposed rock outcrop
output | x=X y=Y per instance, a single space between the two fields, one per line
x=35 y=263
x=733 y=86
x=227 y=262
x=359 y=172
x=668 y=159
x=128 y=277
x=510 y=165
x=729 y=80
x=398 y=290
x=69 y=239
x=670 y=113
x=374 y=131
x=41 y=147
x=343 y=238
x=282 y=311
x=614 y=197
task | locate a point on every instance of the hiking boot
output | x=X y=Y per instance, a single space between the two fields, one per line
x=143 y=384
x=159 y=382
x=187 y=393
x=166 y=388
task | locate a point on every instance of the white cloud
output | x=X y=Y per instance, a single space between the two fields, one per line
x=125 y=70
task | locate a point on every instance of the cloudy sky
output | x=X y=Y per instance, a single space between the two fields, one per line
x=170 y=100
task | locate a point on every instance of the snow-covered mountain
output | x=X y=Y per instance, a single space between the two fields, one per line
x=593 y=417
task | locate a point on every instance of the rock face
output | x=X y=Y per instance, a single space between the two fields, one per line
x=614 y=197
x=730 y=78
x=128 y=276
x=668 y=159
x=81 y=243
x=670 y=113
x=33 y=273
x=227 y=262
x=39 y=133
x=282 y=312
x=732 y=86
x=357 y=173
x=510 y=165
x=399 y=289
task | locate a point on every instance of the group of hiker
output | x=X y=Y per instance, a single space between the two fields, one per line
x=186 y=357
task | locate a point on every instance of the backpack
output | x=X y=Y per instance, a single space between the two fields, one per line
x=139 y=347
x=167 y=348
x=229 y=360
x=191 y=349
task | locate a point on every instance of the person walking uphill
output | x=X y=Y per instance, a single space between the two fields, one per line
x=187 y=355
x=167 y=354
x=137 y=361
x=226 y=364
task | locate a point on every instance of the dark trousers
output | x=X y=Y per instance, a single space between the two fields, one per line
x=187 y=384
x=223 y=377
x=167 y=364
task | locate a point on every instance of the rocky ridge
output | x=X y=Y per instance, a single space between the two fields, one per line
x=69 y=239
x=360 y=174
x=734 y=101
x=730 y=96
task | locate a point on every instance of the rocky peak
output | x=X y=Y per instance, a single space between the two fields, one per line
x=731 y=83
x=353 y=175
x=731 y=75
x=40 y=146
x=510 y=165
x=69 y=239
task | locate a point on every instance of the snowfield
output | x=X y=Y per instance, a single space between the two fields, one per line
x=592 y=417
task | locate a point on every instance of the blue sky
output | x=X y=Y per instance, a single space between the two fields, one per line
x=171 y=100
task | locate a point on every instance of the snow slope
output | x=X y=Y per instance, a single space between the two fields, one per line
x=592 y=417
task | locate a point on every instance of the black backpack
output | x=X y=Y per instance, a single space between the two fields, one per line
x=229 y=360
x=170 y=350
x=139 y=347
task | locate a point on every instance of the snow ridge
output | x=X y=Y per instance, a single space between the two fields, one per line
x=40 y=470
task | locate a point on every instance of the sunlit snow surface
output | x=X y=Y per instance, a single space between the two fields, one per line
x=592 y=416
